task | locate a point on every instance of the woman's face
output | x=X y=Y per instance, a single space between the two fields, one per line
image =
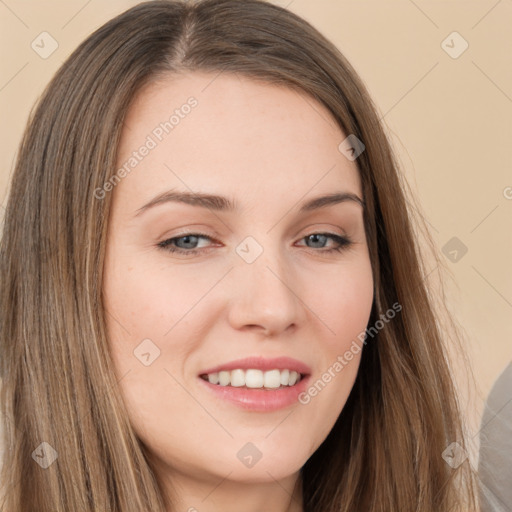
x=261 y=279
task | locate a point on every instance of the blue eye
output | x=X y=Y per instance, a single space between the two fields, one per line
x=187 y=240
x=342 y=242
x=187 y=244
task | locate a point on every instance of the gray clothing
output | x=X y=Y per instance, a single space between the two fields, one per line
x=495 y=464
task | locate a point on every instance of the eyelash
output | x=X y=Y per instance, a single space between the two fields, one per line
x=342 y=242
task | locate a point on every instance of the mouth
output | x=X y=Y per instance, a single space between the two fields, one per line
x=255 y=390
x=254 y=378
x=257 y=384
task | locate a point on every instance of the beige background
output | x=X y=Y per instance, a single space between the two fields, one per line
x=449 y=119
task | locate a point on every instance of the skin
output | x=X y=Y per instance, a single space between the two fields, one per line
x=270 y=149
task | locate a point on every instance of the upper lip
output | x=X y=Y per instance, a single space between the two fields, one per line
x=260 y=363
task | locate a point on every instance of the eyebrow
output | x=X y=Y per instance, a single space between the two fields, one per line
x=222 y=203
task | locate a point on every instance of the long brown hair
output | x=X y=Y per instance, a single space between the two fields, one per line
x=384 y=454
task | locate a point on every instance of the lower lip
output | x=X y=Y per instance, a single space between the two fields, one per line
x=259 y=400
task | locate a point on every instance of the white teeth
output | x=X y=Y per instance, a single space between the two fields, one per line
x=213 y=378
x=224 y=378
x=271 y=379
x=237 y=378
x=254 y=378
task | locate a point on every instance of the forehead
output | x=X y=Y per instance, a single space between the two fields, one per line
x=223 y=132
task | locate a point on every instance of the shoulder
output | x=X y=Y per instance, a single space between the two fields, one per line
x=495 y=463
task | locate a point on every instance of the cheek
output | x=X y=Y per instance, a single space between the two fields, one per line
x=150 y=301
x=344 y=307
x=343 y=300
x=159 y=304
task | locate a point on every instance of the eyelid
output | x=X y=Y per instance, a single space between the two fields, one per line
x=187 y=233
x=341 y=241
x=318 y=227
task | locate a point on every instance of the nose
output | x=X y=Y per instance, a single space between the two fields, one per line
x=265 y=297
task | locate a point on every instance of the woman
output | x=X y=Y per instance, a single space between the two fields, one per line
x=258 y=370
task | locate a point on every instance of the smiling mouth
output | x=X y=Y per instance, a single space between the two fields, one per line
x=254 y=378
